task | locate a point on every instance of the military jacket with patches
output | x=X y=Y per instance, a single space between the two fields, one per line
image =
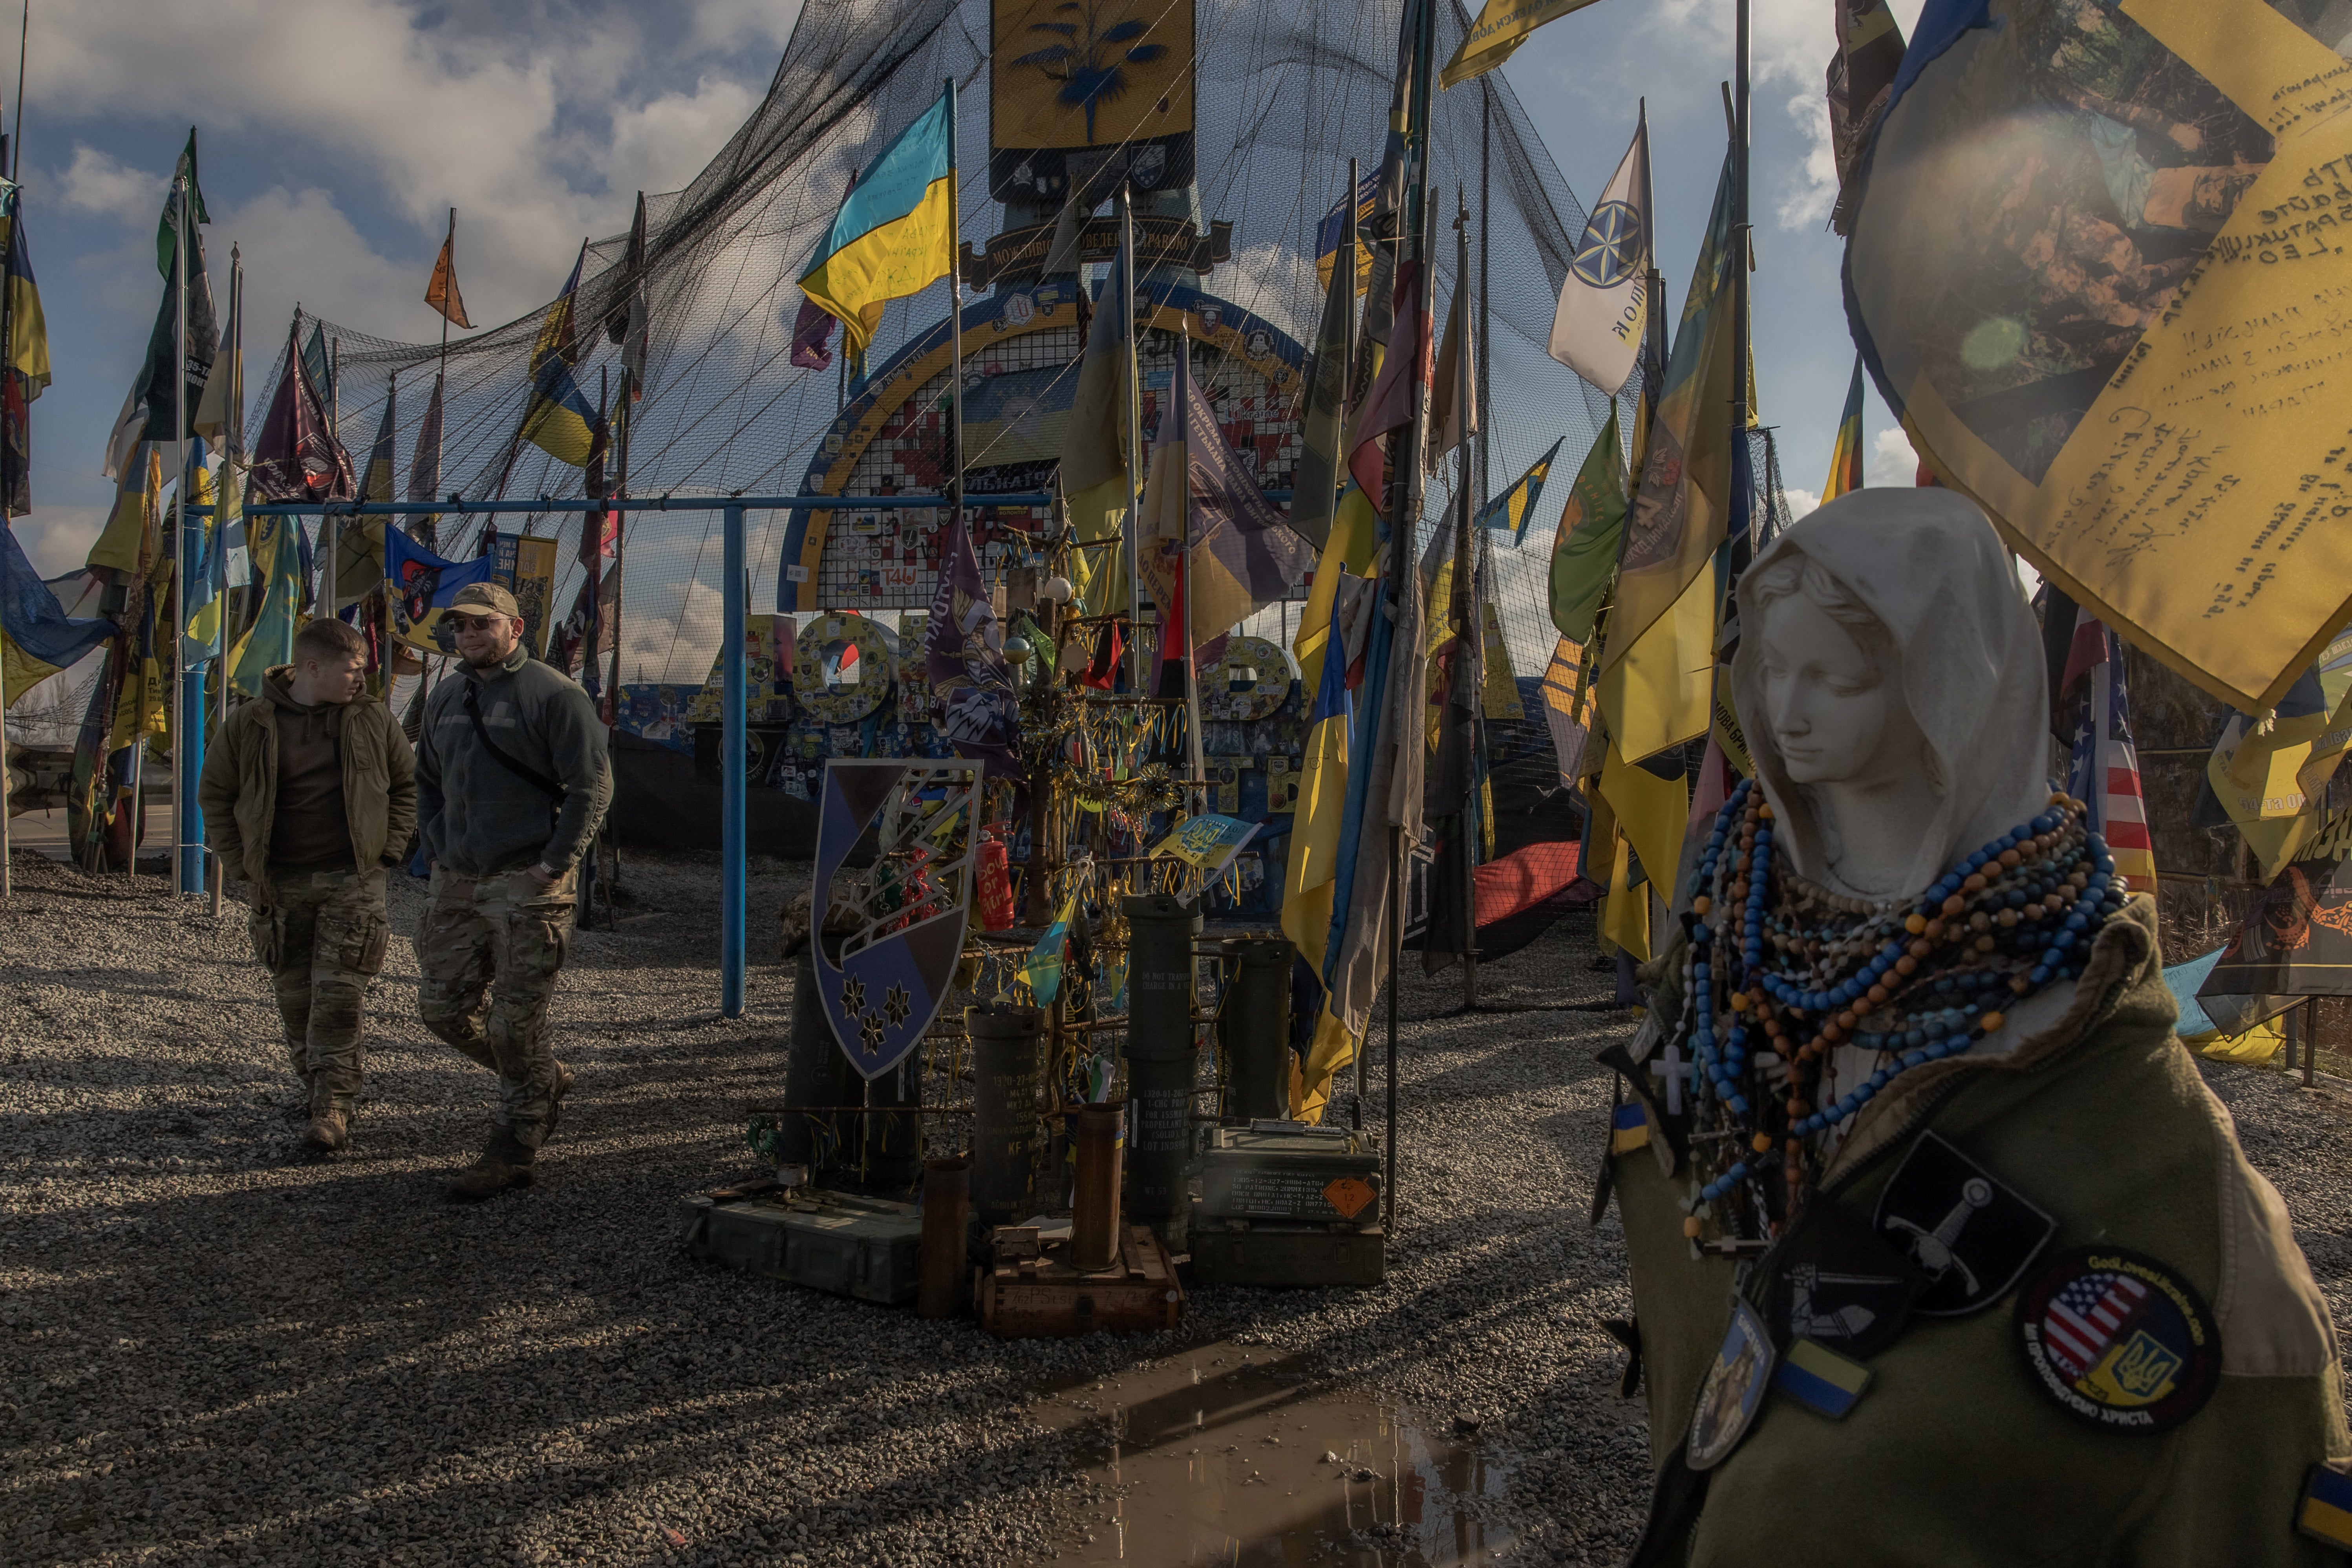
x=2101 y=1124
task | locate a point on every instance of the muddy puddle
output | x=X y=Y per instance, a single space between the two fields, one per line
x=1218 y=1455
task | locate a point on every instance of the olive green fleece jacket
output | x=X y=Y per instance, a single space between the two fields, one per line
x=477 y=816
x=239 y=788
x=1954 y=1456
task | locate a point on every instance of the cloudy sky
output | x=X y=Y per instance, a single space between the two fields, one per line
x=336 y=134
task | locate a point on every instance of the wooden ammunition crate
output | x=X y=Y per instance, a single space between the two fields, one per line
x=1284 y=1252
x=1045 y=1298
x=871 y=1248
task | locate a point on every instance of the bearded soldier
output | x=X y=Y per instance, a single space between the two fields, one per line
x=512 y=780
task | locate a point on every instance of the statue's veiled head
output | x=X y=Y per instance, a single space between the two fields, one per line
x=1889 y=680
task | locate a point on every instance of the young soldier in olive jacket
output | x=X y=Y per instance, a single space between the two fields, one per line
x=309 y=793
x=512 y=781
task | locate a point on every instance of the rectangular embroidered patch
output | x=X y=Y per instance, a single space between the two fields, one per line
x=1629 y=1129
x=1822 y=1380
x=2327 y=1510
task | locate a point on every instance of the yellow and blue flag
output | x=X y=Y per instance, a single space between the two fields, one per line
x=1512 y=508
x=894 y=235
x=1331 y=233
x=37 y=637
x=1845 y=456
x=1043 y=969
x=558 y=421
x=28 y=329
x=1822 y=1380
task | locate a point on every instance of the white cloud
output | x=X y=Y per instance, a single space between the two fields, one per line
x=1799 y=502
x=530 y=133
x=96 y=182
x=1892 y=461
x=660 y=145
x=56 y=539
x=299 y=245
x=1811 y=187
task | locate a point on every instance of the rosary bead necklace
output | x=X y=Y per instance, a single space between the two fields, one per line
x=1779 y=972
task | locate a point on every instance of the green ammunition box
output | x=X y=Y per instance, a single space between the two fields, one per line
x=867 y=1248
x=1287 y=1171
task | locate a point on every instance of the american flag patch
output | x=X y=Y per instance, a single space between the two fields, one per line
x=2083 y=1318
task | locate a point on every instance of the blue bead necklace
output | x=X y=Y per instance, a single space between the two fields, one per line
x=1775 y=960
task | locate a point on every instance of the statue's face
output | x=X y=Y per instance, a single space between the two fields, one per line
x=1825 y=699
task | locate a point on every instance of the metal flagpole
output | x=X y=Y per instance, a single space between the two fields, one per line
x=1465 y=590
x=733 y=760
x=1182 y=633
x=184 y=803
x=955 y=315
x=1124 y=278
x=1400 y=541
x=334 y=433
x=8 y=369
x=232 y=447
x=1740 y=366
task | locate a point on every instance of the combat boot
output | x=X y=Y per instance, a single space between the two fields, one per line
x=329 y=1132
x=563 y=1078
x=505 y=1162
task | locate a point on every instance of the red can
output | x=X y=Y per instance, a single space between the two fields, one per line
x=995 y=894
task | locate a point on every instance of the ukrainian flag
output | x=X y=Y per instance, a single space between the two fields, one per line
x=28 y=329
x=894 y=235
x=1845 y=458
x=558 y=421
x=1510 y=509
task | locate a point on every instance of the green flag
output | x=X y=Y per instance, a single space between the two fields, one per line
x=164 y=227
x=1323 y=421
x=1584 y=555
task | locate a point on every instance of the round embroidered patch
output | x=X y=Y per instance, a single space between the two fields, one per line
x=2119 y=1340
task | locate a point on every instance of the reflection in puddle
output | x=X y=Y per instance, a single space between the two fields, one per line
x=1216 y=1455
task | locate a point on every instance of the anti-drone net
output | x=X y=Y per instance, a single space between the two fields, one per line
x=1286 y=95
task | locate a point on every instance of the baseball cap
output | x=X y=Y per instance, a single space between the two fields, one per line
x=481 y=596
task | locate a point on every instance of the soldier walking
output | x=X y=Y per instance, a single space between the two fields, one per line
x=512 y=780
x=308 y=794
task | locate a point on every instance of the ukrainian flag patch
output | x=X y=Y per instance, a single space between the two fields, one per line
x=1629 y=1128
x=1820 y=1379
x=2325 y=1512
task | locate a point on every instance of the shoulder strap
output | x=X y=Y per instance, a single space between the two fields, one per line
x=481 y=732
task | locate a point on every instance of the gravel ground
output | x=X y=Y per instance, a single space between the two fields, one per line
x=215 y=1350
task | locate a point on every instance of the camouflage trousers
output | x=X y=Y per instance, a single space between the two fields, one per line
x=321 y=936
x=488 y=955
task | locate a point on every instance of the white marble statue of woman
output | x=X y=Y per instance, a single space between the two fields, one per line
x=1948 y=1254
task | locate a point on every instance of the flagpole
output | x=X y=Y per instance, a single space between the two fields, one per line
x=1125 y=276
x=620 y=487
x=334 y=419
x=1464 y=589
x=1184 y=565
x=1740 y=366
x=955 y=315
x=233 y=447
x=7 y=374
x=1401 y=532
x=183 y=753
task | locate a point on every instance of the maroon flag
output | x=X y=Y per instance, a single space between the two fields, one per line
x=1404 y=372
x=813 y=336
x=296 y=458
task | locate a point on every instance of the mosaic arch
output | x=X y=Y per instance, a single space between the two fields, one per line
x=1021 y=352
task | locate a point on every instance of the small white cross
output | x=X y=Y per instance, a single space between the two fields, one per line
x=1670 y=1067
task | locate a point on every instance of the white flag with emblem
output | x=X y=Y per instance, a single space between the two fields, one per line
x=1604 y=306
